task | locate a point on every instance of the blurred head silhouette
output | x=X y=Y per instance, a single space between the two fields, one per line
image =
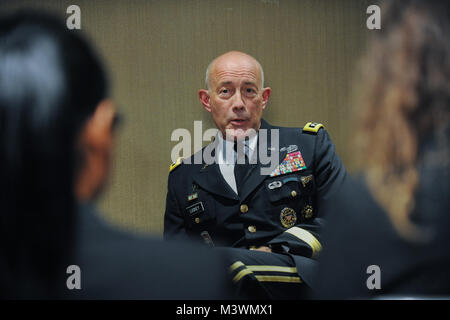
x=405 y=101
x=55 y=141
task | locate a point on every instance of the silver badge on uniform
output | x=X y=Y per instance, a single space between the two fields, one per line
x=274 y=185
x=292 y=148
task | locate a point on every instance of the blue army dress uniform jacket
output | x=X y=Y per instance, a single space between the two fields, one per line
x=284 y=209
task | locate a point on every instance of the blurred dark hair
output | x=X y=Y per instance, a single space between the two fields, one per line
x=405 y=101
x=50 y=83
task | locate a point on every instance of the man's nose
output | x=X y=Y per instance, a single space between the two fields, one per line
x=238 y=102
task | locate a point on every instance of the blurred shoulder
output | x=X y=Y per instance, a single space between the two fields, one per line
x=116 y=264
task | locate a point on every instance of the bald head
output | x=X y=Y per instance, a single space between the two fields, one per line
x=230 y=59
x=235 y=95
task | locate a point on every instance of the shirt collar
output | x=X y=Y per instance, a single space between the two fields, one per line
x=225 y=150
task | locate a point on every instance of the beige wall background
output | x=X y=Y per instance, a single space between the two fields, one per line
x=157 y=53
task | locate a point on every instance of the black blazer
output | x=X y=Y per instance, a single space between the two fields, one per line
x=119 y=265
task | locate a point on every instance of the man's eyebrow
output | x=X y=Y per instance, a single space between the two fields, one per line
x=225 y=82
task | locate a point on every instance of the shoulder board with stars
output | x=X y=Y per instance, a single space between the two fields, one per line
x=175 y=164
x=312 y=127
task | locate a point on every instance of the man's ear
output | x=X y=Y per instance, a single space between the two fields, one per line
x=97 y=130
x=95 y=146
x=265 y=95
x=205 y=99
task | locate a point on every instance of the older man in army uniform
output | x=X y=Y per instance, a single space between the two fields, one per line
x=269 y=222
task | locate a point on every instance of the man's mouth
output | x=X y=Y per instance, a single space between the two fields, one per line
x=238 y=122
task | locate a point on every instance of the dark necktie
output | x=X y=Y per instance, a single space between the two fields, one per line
x=241 y=169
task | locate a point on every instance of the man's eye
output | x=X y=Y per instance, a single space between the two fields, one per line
x=250 y=90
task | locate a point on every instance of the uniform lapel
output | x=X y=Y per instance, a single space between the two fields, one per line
x=255 y=177
x=210 y=178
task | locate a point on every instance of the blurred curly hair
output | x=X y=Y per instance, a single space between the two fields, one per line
x=404 y=95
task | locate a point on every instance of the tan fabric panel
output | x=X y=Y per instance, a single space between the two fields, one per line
x=157 y=53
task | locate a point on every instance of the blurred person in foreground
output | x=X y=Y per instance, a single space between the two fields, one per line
x=396 y=215
x=56 y=137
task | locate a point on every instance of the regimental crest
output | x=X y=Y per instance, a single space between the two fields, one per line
x=288 y=217
x=308 y=211
x=305 y=180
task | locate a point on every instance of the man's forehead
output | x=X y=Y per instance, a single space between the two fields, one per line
x=230 y=71
x=235 y=63
x=230 y=82
x=234 y=66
